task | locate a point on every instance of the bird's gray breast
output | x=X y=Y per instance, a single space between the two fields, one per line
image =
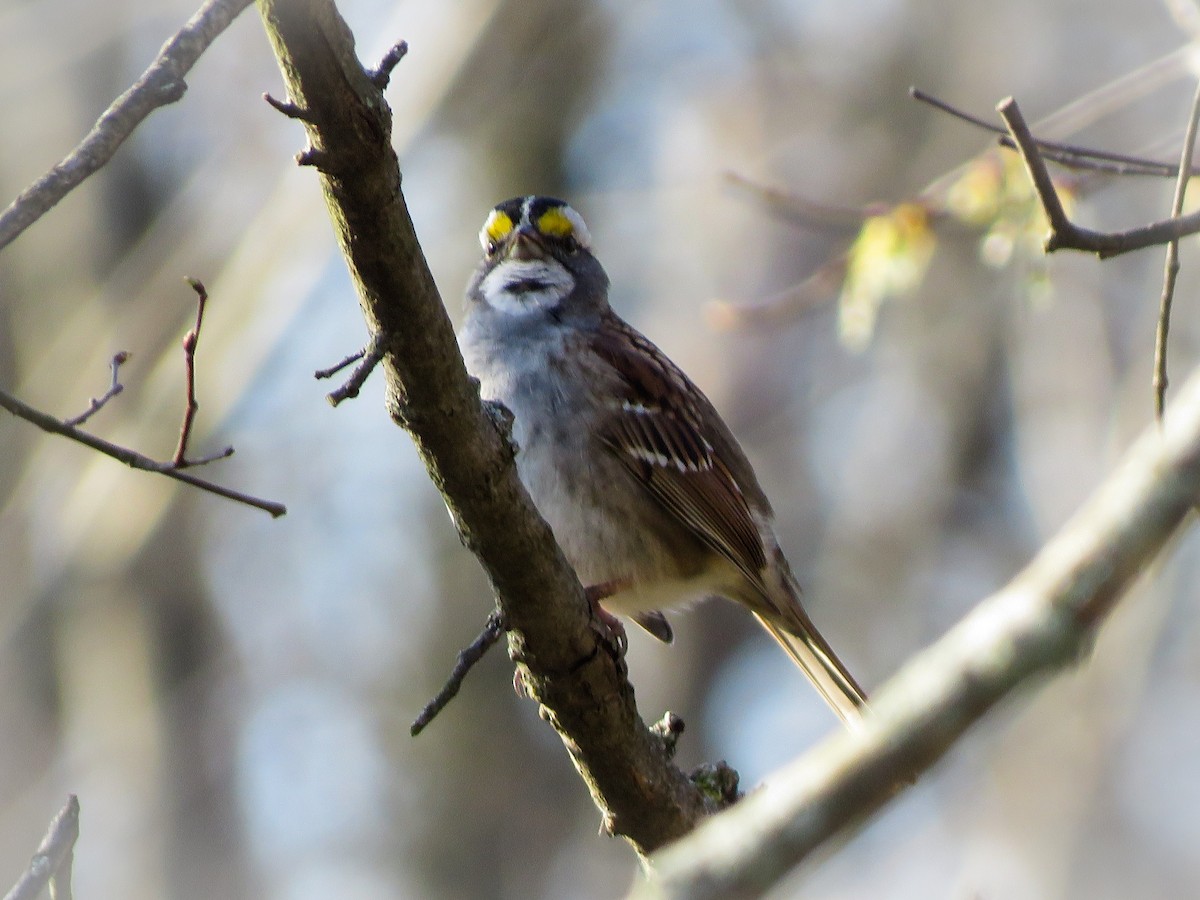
x=556 y=393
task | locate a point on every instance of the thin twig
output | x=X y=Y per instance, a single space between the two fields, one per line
x=1069 y=155
x=1065 y=234
x=189 y=374
x=370 y=357
x=493 y=630
x=114 y=388
x=341 y=364
x=51 y=863
x=131 y=458
x=161 y=84
x=1171 y=268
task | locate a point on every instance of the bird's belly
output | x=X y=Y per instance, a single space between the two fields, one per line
x=610 y=530
x=647 y=560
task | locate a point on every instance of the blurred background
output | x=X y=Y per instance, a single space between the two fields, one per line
x=230 y=695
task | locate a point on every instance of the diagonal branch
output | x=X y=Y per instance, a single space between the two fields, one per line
x=51 y=864
x=1043 y=621
x=1071 y=156
x=564 y=662
x=161 y=84
x=131 y=458
x=1065 y=234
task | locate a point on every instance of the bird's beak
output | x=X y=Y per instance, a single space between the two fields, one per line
x=526 y=245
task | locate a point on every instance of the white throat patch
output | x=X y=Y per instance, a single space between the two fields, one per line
x=520 y=287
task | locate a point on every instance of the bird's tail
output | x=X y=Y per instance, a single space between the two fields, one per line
x=817 y=660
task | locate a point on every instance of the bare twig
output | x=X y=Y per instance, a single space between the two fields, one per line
x=371 y=355
x=189 y=376
x=382 y=73
x=1171 y=266
x=493 y=630
x=1041 y=622
x=287 y=107
x=1065 y=234
x=340 y=364
x=114 y=388
x=1069 y=155
x=51 y=864
x=131 y=458
x=161 y=84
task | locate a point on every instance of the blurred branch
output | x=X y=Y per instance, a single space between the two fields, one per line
x=51 y=864
x=1043 y=621
x=1065 y=234
x=1171 y=266
x=161 y=84
x=565 y=663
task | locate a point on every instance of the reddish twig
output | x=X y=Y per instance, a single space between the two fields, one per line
x=114 y=388
x=191 y=404
x=51 y=863
x=179 y=460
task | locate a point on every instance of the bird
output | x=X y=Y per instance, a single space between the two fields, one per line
x=644 y=486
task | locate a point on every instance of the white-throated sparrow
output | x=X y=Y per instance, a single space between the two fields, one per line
x=647 y=491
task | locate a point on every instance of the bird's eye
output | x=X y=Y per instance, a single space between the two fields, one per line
x=491 y=248
x=570 y=245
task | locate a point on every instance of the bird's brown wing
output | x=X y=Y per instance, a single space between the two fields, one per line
x=656 y=430
x=670 y=438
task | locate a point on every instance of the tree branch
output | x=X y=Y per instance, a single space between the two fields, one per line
x=1043 y=621
x=493 y=630
x=161 y=84
x=1065 y=234
x=564 y=662
x=132 y=458
x=1071 y=156
x=1171 y=264
x=51 y=864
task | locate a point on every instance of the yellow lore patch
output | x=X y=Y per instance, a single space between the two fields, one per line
x=497 y=226
x=554 y=222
